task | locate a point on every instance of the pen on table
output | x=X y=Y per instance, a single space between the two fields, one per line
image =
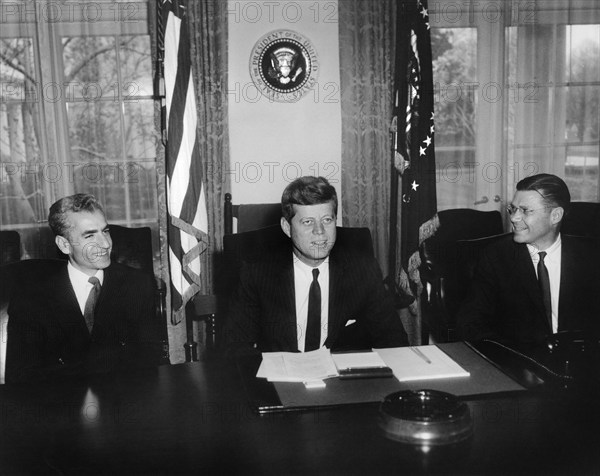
x=420 y=354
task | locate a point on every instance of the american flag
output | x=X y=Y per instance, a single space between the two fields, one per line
x=186 y=201
x=414 y=139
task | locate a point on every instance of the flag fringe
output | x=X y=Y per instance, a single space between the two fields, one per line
x=195 y=252
x=410 y=280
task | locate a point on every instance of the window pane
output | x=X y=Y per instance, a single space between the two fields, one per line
x=454 y=54
x=582 y=126
x=95 y=131
x=140 y=140
x=126 y=190
x=583 y=53
x=16 y=69
x=583 y=113
x=21 y=170
x=581 y=172
x=90 y=67
x=136 y=66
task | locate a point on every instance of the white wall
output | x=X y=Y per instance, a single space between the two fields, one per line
x=272 y=143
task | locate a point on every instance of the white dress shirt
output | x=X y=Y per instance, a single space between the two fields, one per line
x=302 y=280
x=552 y=262
x=81 y=286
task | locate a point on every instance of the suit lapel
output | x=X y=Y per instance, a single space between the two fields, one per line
x=65 y=305
x=283 y=281
x=337 y=266
x=568 y=282
x=111 y=286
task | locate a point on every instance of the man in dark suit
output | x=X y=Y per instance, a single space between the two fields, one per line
x=535 y=282
x=91 y=315
x=312 y=292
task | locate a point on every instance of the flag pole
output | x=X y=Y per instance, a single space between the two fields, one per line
x=398 y=163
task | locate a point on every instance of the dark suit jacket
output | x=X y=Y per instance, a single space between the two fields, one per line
x=263 y=309
x=48 y=337
x=505 y=302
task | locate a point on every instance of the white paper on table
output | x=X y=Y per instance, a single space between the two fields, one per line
x=407 y=365
x=297 y=367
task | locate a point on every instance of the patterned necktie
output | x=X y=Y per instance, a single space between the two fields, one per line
x=90 y=304
x=544 y=281
x=313 y=323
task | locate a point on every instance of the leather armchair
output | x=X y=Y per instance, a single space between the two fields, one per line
x=133 y=247
x=447 y=262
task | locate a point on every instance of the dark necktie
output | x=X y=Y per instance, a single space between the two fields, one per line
x=90 y=304
x=544 y=280
x=313 y=323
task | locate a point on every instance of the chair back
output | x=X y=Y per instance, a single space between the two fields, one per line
x=460 y=270
x=10 y=246
x=583 y=219
x=238 y=247
x=250 y=216
x=444 y=263
x=252 y=244
x=132 y=247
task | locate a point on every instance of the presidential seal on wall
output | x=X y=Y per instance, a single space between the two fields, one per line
x=284 y=65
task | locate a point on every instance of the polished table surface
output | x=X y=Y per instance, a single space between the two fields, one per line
x=194 y=419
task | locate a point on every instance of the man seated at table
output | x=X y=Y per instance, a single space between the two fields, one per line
x=306 y=294
x=92 y=316
x=537 y=281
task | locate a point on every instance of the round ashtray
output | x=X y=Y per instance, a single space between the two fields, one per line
x=425 y=418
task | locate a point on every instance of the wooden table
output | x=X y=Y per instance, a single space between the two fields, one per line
x=194 y=419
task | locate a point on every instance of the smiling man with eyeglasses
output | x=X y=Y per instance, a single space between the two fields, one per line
x=534 y=282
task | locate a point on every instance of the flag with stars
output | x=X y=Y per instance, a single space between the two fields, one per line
x=186 y=202
x=414 y=155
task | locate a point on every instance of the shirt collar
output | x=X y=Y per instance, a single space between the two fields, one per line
x=79 y=276
x=550 y=251
x=308 y=269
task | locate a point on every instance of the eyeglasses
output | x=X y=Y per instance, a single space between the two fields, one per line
x=511 y=210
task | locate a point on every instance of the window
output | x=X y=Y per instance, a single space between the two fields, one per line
x=582 y=131
x=76 y=114
x=517 y=89
x=455 y=71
